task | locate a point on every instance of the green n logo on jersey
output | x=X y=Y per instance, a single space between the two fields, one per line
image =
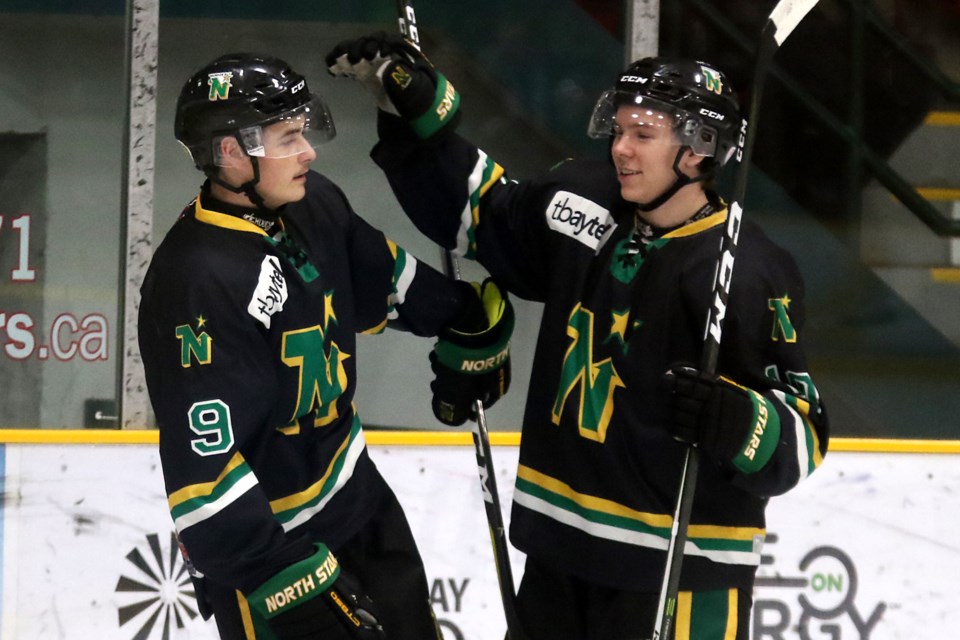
x=193 y=345
x=219 y=86
x=781 y=320
x=597 y=380
x=323 y=378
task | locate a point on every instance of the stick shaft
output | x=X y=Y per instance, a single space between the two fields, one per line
x=498 y=534
x=784 y=18
x=407 y=21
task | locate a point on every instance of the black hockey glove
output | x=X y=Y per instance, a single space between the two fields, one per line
x=313 y=599
x=730 y=422
x=401 y=79
x=471 y=360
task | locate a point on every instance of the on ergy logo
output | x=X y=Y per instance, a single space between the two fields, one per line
x=825 y=594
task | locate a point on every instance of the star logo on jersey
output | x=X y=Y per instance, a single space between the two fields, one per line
x=219 y=86
x=194 y=347
x=156 y=593
x=328 y=313
x=620 y=326
x=782 y=326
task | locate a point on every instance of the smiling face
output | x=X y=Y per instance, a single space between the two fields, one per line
x=644 y=149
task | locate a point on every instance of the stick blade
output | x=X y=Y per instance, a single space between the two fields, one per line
x=787 y=15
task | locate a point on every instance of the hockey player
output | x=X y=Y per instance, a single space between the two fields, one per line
x=622 y=254
x=247 y=328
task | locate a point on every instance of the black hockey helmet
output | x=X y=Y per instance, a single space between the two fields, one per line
x=238 y=95
x=700 y=99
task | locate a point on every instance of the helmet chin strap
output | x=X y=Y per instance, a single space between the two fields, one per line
x=248 y=188
x=681 y=181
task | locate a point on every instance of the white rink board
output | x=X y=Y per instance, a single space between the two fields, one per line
x=865 y=548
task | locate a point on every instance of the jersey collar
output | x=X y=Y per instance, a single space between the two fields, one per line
x=238 y=220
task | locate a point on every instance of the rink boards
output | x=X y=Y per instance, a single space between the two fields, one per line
x=865 y=548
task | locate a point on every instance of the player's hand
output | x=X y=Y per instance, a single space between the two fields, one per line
x=315 y=599
x=730 y=422
x=401 y=79
x=471 y=360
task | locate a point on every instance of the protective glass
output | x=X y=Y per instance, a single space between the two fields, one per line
x=296 y=131
x=643 y=113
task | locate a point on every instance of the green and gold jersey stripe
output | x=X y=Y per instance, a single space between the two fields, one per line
x=196 y=503
x=297 y=508
x=608 y=519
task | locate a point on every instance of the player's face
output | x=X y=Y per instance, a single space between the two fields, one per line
x=283 y=172
x=644 y=149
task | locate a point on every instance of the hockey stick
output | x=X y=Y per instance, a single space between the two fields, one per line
x=786 y=15
x=407 y=22
x=407 y=19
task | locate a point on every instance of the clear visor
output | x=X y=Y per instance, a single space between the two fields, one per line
x=623 y=113
x=296 y=132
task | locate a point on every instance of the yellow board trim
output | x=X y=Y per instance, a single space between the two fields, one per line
x=945 y=274
x=943 y=119
x=939 y=194
x=416 y=438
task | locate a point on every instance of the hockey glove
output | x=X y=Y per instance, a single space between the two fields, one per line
x=309 y=599
x=471 y=360
x=732 y=423
x=400 y=78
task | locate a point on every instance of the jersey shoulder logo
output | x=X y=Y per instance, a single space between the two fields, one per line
x=271 y=292
x=579 y=218
x=782 y=326
x=194 y=346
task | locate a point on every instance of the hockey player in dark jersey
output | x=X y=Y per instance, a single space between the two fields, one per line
x=247 y=328
x=622 y=254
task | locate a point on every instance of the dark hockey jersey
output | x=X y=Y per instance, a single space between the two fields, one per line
x=249 y=346
x=597 y=478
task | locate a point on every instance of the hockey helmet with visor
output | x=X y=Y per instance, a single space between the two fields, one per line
x=691 y=98
x=240 y=96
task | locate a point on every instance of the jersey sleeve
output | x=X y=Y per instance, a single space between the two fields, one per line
x=460 y=198
x=211 y=388
x=762 y=348
x=394 y=289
